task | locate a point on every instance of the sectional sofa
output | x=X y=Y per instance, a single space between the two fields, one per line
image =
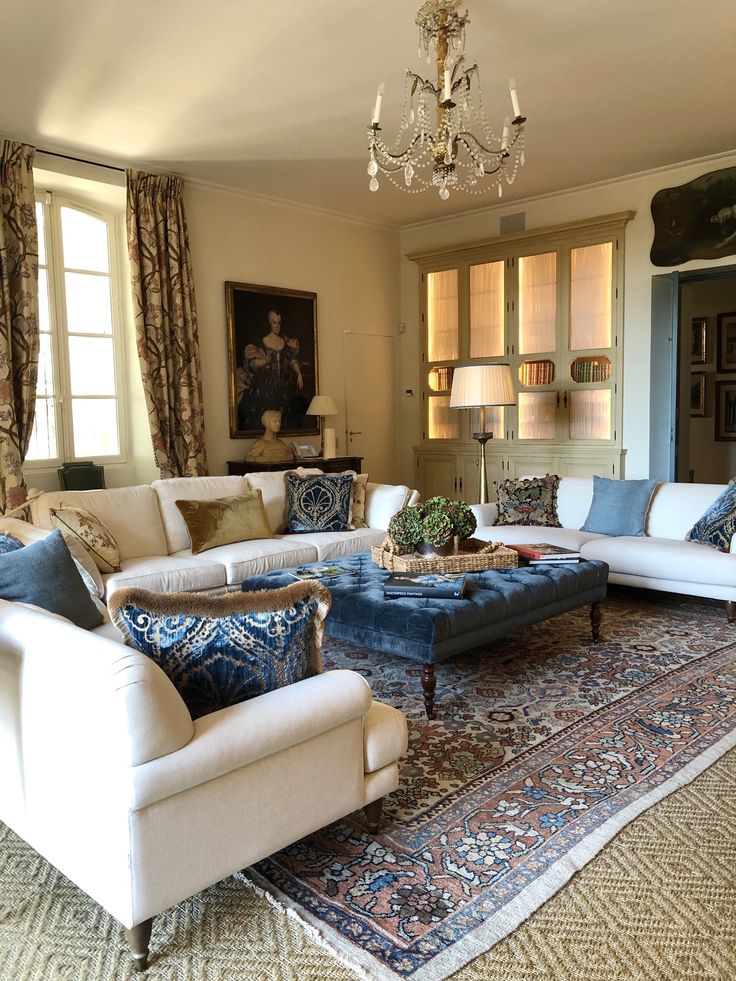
x=661 y=560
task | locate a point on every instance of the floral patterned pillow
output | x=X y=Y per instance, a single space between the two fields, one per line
x=81 y=525
x=530 y=501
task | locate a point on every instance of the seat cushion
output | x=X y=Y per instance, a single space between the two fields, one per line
x=334 y=544
x=527 y=534
x=221 y=650
x=663 y=558
x=258 y=557
x=189 y=489
x=168 y=573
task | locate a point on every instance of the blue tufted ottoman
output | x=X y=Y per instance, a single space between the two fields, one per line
x=496 y=603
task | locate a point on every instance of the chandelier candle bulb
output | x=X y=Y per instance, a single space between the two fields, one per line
x=377 y=107
x=514 y=99
x=447 y=88
x=505 y=137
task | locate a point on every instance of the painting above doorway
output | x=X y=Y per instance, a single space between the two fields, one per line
x=695 y=220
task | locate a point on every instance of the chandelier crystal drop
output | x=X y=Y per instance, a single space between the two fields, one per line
x=445 y=141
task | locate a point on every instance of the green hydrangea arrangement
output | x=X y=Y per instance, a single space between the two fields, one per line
x=436 y=521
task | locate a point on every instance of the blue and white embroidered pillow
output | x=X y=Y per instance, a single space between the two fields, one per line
x=319 y=502
x=718 y=525
x=9 y=544
x=221 y=650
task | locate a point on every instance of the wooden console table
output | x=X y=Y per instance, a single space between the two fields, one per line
x=336 y=464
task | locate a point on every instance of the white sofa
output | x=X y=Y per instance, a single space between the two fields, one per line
x=154 y=541
x=105 y=774
x=661 y=560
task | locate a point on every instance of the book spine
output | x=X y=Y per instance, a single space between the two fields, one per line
x=420 y=592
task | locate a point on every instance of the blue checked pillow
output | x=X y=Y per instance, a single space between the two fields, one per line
x=221 y=650
x=320 y=502
x=718 y=525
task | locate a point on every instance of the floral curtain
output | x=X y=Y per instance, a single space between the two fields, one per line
x=19 y=339
x=166 y=322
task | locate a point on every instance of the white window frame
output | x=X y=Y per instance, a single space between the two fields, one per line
x=52 y=202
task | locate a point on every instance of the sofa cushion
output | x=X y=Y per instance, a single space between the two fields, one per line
x=619 y=507
x=528 y=501
x=528 y=534
x=86 y=528
x=262 y=555
x=319 y=502
x=44 y=574
x=224 y=520
x=222 y=650
x=574 y=497
x=337 y=544
x=168 y=574
x=663 y=558
x=130 y=513
x=718 y=525
x=383 y=501
x=170 y=490
x=273 y=487
x=675 y=508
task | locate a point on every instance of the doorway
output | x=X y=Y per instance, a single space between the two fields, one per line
x=369 y=361
x=685 y=376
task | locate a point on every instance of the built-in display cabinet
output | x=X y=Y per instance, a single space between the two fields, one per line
x=550 y=303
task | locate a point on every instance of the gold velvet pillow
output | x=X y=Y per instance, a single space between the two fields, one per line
x=223 y=520
x=85 y=527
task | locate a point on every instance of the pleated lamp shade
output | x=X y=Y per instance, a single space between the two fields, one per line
x=322 y=405
x=478 y=385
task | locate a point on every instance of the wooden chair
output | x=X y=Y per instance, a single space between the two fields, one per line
x=83 y=475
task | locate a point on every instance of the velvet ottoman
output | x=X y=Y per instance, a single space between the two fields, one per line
x=496 y=603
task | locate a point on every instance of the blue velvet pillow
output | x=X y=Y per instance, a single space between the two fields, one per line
x=221 y=650
x=45 y=574
x=718 y=525
x=619 y=507
x=9 y=544
x=320 y=502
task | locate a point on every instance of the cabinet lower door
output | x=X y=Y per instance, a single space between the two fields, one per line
x=532 y=464
x=438 y=476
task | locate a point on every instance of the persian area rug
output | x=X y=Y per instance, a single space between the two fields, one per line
x=543 y=747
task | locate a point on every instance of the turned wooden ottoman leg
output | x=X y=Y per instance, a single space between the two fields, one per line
x=730 y=611
x=138 y=938
x=373 y=813
x=596 y=615
x=429 y=684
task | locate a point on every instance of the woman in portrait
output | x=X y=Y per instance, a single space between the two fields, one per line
x=271 y=378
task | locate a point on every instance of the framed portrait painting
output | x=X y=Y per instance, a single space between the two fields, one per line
x=726 y=358
x=272 y=358
x=725 y=410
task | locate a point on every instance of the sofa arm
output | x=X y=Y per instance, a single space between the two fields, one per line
x=241 y=734
x=485 y=514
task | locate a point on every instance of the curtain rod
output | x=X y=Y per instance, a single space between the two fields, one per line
x=66 y=156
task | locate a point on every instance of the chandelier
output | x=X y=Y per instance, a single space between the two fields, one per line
x=440 y=148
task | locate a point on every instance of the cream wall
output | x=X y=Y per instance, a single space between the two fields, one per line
x=627 y=194
x=353 y=267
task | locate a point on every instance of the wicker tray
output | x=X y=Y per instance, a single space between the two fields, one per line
x=475 y=555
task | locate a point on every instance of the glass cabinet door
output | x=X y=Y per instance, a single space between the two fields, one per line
x=487 y=308
x=538 y=303
x=443 y=342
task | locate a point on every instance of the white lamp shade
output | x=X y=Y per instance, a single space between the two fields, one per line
x=322 y=405
x=482 y=384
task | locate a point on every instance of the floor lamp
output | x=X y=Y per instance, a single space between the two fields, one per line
x=479 y=386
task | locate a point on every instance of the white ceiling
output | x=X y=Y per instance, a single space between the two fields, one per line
x=274 y=98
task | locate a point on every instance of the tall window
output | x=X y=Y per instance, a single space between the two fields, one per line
x=78 y=399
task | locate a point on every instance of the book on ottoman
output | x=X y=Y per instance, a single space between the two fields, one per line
x=438 y=585
x=543 y=552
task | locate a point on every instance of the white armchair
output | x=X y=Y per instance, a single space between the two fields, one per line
x=105 y=774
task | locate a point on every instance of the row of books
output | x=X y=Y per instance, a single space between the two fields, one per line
x=537 y=372
x=591 y=371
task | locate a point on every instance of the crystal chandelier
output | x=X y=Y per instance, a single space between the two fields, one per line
x=439 y=148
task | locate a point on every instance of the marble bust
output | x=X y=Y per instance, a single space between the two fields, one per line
x=269 y=448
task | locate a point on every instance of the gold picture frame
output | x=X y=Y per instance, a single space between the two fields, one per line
x=726 y=353
x=697 y=394
x=698 y=340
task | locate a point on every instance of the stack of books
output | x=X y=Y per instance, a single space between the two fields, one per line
x=542 y=553
x=427 y=585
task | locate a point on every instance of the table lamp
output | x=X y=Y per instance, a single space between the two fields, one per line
x=475 y=387
x=323 y=406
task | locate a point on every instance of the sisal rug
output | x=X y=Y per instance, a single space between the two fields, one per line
x=543 y=748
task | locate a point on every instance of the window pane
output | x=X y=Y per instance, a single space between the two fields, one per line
x=444 y=422
x=95 y=427
x=486 y=310
x=41 y=225
x=537 y=303
x=43 y=300
x=43 y=437
x=537 y=415
x=88 y=307
x=442 y=335
x=85 y=241
x=590 y=296
x=92 y=366
x=45 y=383
x=590 y=414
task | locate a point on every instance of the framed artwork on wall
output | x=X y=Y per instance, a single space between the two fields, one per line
x=726 y=410
x=272 y=357
x=698 y=340
x=726 y=354
x=697 y=393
